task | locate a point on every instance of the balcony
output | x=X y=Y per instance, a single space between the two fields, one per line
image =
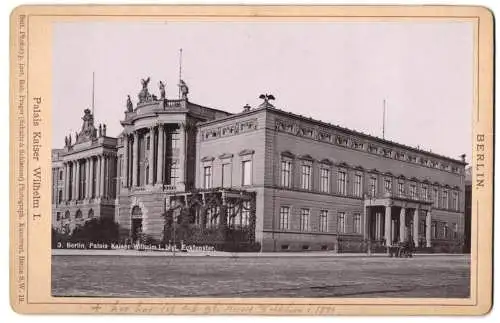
x=398 y=196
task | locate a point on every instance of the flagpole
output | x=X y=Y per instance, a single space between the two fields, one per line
x=383 y=121
x=180 y=71
x=93 y=90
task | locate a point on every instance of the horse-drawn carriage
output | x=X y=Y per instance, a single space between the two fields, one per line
x=401 y=250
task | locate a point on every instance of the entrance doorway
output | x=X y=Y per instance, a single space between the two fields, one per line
x=136 y=226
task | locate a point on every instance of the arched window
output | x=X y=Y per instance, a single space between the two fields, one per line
x=91 y=214
x=78 y=214
x=66 y=215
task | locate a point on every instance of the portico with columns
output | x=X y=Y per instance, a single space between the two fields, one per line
x=154 y=156
x=394 y=219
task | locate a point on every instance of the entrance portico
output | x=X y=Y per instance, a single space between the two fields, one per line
x=392 y=219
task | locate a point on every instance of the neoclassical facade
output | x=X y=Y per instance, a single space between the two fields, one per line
x=266 y=177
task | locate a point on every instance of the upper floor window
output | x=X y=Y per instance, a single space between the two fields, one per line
x=454 y=201
x=148 y=142
x=424 y=192
x=226 y=175
x=246 y=167
x=304 y=219
x=342 y=182
x=284 y=218
x=286 y=173
x=388 y=185
x=61 y=175
x=174 y=170
x=401 y=188
x=445 y=199
x=323 y=220
x=175 y=138
x=357 y=185
x=373 y=186
x=413 y=191
x=306 y=177
x=436 y=198
x=207 y=177
x=324 y=180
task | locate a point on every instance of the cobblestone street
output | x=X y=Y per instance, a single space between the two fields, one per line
x=121 y=276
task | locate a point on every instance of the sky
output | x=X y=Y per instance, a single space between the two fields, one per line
x=337 y=72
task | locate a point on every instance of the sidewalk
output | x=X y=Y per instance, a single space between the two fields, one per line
x=150 y=253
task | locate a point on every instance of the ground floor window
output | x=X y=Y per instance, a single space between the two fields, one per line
x=304 y=219
x=284 y=218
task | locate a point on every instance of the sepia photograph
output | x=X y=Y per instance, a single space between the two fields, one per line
x=262 y=159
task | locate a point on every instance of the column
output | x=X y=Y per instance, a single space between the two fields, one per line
x=402 y=225
x=378 y=217
x=415 y=226
x=66 y=181
x=91 y=176
x=159 y=163
x=365 y=226
x=77 y=194
x=98 y=177
x=388 y=230
x=87 y=176
x=428 y=222
x=135 y=164
x=125 y=163
x=73 y=182
x=101 y=180
x=181 y=184
x=151 y=157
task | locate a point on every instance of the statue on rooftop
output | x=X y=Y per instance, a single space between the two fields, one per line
x=130 y=106
x=161 y=85
x=66 y=142
x=69 y=140
x=104 y=130
x=184 y=89
x=144 y=94
x=100 y=130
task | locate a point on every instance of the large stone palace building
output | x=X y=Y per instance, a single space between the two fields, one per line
x=267 y=177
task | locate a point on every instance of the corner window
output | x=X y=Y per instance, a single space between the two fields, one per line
x=286 y=172
x=226 y=175
x=357 y=185
x=342 y=182
x=323 y=221
x=246 y=177
x=207 y=177
x=324 y=179
x=306 y=178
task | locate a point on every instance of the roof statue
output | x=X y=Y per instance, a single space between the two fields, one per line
x=184 y=89
x=162 y=85
x=88 y=130
x=144 y=95
x=130 y=106
x=267 y=97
